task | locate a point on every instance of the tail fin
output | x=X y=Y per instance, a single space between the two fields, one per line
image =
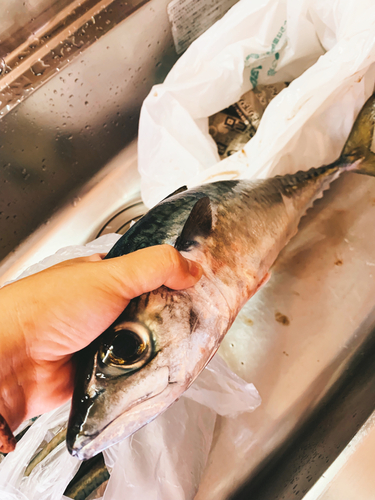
x=360 y=141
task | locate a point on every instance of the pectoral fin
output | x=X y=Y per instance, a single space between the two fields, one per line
x=199 y=223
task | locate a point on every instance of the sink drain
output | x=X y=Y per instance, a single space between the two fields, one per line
x=123 y=219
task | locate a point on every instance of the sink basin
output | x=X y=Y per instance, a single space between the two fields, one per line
x=68 y=171
x=86 y=216
x=54 y=142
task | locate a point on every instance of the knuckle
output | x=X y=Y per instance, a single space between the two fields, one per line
x=172 y=257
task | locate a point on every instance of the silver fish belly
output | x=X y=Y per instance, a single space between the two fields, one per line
x=158 y=346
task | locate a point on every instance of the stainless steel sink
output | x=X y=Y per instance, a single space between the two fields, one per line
x=68 y=172
x=66 y=131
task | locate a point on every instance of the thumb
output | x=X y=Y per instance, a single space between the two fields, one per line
x=147 y=269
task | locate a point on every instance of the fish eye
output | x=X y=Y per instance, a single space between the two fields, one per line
x=127 y=347
x=130 y=348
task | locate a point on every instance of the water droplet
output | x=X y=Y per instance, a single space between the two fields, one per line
x=39 y=68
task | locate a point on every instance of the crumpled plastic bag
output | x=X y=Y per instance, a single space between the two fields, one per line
x=325 y=48
x=164 y=460
x=50 y=477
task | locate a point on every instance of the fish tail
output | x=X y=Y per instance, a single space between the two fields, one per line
x=357 y=151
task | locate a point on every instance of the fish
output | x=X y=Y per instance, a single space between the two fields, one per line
x=162 y=341
x=92 y=476
x=46 y=450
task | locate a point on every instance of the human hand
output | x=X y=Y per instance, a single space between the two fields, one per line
x=47 y=317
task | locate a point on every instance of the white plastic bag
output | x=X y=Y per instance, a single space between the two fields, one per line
x=50 y=477
x=326 y=48
x=163 y=460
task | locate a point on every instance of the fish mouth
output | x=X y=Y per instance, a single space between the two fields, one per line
x=84 y=445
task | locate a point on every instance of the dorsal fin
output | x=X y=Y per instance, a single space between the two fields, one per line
x=199 y=223
x=178 y=191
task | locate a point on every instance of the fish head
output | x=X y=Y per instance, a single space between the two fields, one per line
x=143 y=363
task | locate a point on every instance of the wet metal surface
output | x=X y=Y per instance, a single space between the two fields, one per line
x=351 y=476
x=88 y=214
x=61 y=136
x=124 y=218
x=46 y=43
x=19 y=18
x=291 y=470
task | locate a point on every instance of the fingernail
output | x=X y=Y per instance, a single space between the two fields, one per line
x=194 y=268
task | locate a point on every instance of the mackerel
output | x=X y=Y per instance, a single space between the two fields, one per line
x=162 y=341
